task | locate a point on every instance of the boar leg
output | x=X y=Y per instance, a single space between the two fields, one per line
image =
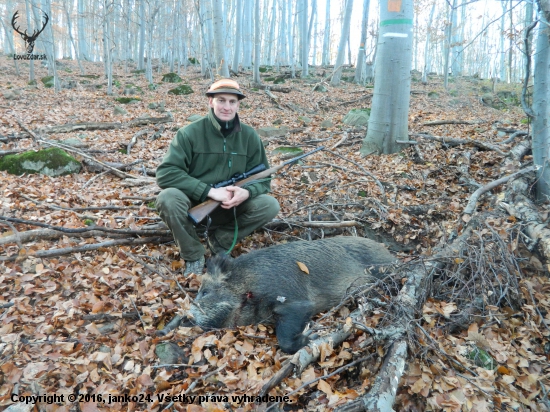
x=291 y=321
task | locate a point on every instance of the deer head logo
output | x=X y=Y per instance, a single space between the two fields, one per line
x=29 y=40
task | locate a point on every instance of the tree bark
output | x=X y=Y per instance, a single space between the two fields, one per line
x=219 y=35
x=388 y=121
x=361 y=56
x=541 y=106
x=335 y=81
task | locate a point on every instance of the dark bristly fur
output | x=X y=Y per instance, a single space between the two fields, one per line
x=268 y=286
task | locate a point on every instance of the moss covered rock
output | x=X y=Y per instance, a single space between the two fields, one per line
x=127 y=100
x=273 y=131
x=181 y=90
x=357 y=117
x=48 y=81
x=171 y=78
x=288 y=150
x=51 y=162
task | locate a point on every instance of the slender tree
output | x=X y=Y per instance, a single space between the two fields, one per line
x=219 y=35
x=390 y=104
x=304 y=51
x=325 y=60
x=238 y=31
x=141 y=53
x=361 y=56
x=271 y=39
x=427 y=55
x=337 y=74
x=247 y=33
x=67 y=8
x=541 y=104
x=81 y=24
x=257 y=42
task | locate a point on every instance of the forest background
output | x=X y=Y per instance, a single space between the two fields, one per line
x=90 y=278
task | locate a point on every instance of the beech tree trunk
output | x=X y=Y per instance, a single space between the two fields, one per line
x=257 y=42
x=326 y=38
x=238 y=31
x=392 y=82
x=541 y=105
x=219 y=35
x=361 y=56
x=335 y=80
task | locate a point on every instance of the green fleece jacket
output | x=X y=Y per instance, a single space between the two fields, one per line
x=200 y=155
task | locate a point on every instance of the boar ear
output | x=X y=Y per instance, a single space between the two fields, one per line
x=219 y=265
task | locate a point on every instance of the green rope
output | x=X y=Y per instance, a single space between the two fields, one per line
x=266 y=179
x=236 y=232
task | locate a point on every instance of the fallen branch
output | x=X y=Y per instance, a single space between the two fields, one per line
x=441 y=122
x=67 y=148
x=280 y=89
x=451 y=141
x=310 y=353
x=152 y=231
x=514 y=135
x=47 y=234
x=134 y=140
x=470 y=207
x=72 y=127
x=86 y=248
x=517 y=204
x=381 y=395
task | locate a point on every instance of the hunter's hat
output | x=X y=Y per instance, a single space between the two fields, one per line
x=225 y=86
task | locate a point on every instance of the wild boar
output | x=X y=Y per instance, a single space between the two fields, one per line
x=268 y=286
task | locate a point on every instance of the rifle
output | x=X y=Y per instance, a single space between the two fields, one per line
x=198 y=213
x=236 y=177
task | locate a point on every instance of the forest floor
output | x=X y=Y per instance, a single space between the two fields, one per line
x=63 y=328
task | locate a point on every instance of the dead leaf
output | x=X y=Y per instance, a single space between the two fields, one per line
x=303 y=267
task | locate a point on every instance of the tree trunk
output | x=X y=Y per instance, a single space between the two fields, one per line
x=292 y=34
x=257 y=42
x=448 y=40
x=361 y=56
x=304 y=51
x=107 y=47
x=238 y=36
x=283 y=36
x=390 y=104
x=510 y=45
x=141 y=53
x=247 y=35
x=502 y=37
x=427 y=56
x=219 y=35
x=541 y=106
x=326 y=38
x=335 y=81
x=30 y=26
x=82 y=45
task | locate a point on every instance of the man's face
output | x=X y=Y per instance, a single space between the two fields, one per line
x=225 y=106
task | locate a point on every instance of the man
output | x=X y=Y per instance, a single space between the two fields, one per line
x=208 y=151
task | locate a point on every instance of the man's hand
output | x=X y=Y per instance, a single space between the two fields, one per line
x=221 y=194
x=239 y=195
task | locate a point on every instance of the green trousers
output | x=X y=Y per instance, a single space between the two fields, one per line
x=172 y=205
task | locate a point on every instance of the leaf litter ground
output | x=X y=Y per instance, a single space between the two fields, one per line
x=67 y=331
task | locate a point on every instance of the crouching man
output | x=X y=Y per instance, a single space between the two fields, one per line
x=208 y=151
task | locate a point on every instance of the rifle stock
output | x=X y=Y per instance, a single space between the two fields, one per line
x=198 y=213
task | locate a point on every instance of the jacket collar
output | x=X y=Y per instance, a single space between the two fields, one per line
x=236 y=126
